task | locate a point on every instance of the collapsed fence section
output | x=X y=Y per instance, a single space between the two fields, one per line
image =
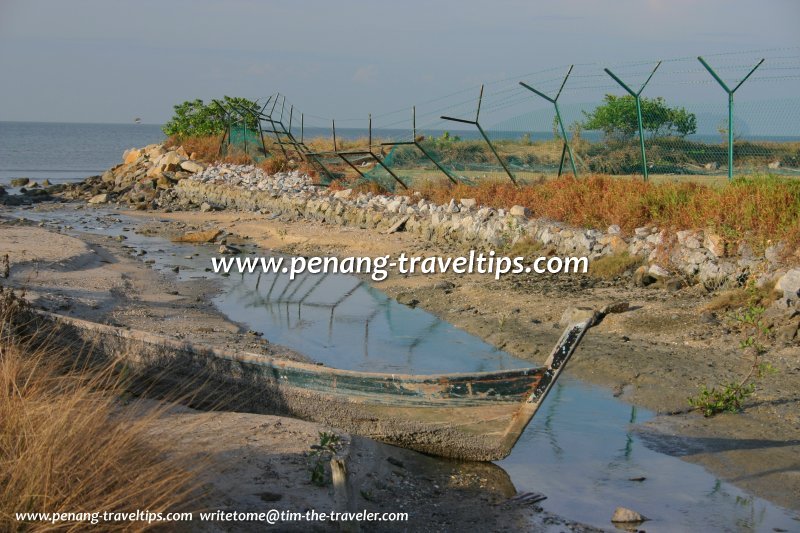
x=662 y=119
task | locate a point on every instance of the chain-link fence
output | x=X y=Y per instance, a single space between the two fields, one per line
x=703 y=118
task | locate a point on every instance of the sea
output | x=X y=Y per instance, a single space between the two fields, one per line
x=63 y=152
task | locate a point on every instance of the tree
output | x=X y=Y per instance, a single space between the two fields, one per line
x=617 y=118
x=195 y=118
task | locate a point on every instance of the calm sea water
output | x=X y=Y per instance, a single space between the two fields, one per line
x=67 y=152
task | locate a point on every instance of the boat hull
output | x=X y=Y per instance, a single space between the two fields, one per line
x=463 y=416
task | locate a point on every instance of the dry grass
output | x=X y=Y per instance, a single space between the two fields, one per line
x=68 y=442
x=743 y=297
x=757 y=209
x=529 y=248
x=611 y=266
x=205 y=148
x=273 y=165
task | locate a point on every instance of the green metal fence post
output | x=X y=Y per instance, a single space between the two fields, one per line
x=554 y=101
x=476 y=123
x=637 y=97
x=730 y=106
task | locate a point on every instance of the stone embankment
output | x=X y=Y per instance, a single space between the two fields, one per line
x=156 y=177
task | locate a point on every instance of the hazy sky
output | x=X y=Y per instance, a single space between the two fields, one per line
x=110 y=61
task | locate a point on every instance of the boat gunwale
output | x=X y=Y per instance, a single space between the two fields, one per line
x=277 y=362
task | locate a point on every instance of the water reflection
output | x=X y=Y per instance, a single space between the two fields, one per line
x=342 y=321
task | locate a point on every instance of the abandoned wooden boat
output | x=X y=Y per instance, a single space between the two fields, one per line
x=475 y=416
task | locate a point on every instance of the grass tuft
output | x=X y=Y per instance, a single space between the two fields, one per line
x=613 y=265
x=68 y=441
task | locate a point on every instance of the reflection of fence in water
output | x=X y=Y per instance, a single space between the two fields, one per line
x=292 y=305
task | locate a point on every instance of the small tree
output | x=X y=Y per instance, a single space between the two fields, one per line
x=617 y=118
x=195 y=118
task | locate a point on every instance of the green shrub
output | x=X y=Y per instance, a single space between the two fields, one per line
x=194 y=118
x=617 y=118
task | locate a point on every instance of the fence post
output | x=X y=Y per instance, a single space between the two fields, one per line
x=477 y=124
x=730 y=106
x=554 y=101
x=637 y=96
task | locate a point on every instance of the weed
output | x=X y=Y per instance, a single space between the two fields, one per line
x=730 y=397
x=322 y=453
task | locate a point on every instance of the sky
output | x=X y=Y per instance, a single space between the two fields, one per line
x=111 y=61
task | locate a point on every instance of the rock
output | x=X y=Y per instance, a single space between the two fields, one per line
x=658 y=272
x=674 y=284
x=469 y=202
x=613 y=229
x=343 y=194
x=394 y=206
x=205 y=207
x=711 y=166
x=615 y=243
x=773 y=253
x=642 y=277
x=444 y=285
x=46 y=183
x=406 y=299
x=519 y=211
x=787 y=332
x=228 y=249
x=625 y=515
x=191 y=166
x=19 y=182
x=774 y=165
x=688 y=239
x=714 y=244
x=398 y=226
x=163 y=182
x=789 y=284
x=99 y=199
x=130 y=156
x=199 y=236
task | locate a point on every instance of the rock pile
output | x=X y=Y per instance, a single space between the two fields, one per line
x=140 y=179
x=157 y=177
x=704 y=256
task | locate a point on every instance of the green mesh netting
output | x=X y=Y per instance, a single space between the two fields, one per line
x=248 y=141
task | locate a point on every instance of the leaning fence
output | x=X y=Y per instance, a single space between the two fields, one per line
x=704 y=118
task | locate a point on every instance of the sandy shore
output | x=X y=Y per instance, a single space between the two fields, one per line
x=654 y=356
x=252 y=462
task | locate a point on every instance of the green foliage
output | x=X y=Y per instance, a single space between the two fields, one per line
x=322 y=454
x=729 y=398
x=194 y=118
x=447 y=138
x=617 y=118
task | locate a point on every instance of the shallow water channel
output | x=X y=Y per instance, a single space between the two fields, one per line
x=581 y=450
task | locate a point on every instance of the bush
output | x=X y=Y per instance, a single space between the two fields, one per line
x=195 y=118
x=617 y=118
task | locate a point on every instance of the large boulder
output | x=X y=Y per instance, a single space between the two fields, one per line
x=789 y=284
x=519 y=211
x=192 y=166
x=130 y=156
x=99 y=199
